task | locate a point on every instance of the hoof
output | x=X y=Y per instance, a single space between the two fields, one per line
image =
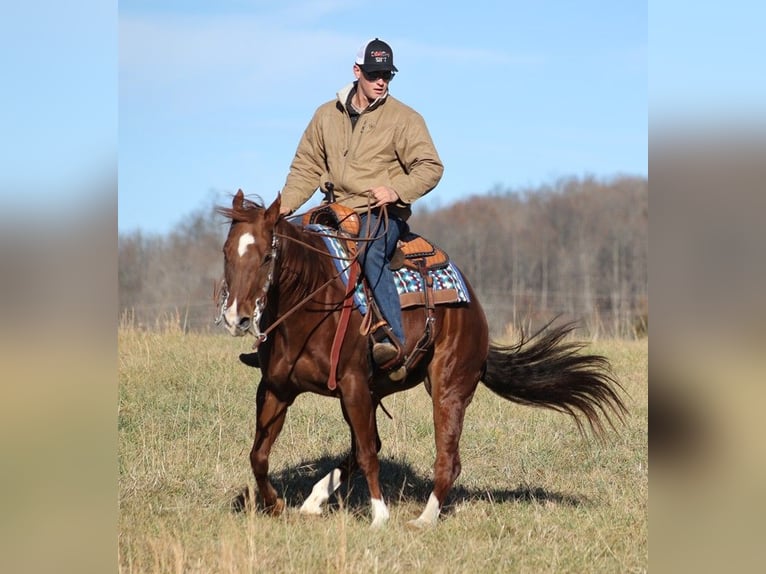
x=418 y=524
x=277 y=508
x=380 y=513
x=243 y=502
x=377 y=524
x=310 y=510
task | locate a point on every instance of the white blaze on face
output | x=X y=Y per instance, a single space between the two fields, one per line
x=231 y=314
x=245 y=240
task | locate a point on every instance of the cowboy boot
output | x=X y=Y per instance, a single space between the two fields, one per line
x=385 y=353
x=250 y=359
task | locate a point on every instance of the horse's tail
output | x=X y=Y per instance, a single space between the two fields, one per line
x=545 y=371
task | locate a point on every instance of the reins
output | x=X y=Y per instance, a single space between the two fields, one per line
x=261 y=336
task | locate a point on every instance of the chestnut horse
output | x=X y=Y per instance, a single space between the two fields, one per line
x=275 y=276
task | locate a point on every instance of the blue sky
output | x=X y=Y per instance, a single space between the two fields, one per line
x=58 y=118
x=706 y=64
x=214 y=96
x=201 y=98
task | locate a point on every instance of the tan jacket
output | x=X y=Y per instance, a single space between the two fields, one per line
x=389 y=146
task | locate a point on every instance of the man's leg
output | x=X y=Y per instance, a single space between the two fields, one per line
x=381 y=279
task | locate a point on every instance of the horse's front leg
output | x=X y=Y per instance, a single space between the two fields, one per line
x=359 y=411
x=270 y=416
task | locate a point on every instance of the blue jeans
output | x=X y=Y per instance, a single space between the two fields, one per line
x=375 y=259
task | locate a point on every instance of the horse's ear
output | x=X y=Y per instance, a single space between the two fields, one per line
x=272 y=213
x=238 y=200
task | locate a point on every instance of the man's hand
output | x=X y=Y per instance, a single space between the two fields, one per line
x=383 y=195
x=285 y=210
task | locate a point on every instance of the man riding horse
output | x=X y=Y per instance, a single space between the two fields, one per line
x=374 y=155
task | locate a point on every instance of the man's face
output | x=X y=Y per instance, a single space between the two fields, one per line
x=373 y=85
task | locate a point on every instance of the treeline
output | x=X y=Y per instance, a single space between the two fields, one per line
x=577 y=249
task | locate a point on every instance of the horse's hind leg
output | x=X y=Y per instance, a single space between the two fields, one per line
x=270 y=416
x=449 y=405
x=324 y=488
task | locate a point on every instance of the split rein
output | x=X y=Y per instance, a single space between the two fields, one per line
x=222 y=292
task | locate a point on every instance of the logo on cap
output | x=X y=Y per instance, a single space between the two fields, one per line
x=375 y=55
x=380 y=55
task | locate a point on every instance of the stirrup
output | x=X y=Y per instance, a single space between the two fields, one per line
x=399 y=374
x=390 y=357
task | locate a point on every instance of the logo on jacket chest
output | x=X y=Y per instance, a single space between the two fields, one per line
x=366 y=126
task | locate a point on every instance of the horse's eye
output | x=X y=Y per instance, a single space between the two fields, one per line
x=267 y=258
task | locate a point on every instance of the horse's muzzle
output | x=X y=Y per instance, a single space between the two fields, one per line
x=237 y=325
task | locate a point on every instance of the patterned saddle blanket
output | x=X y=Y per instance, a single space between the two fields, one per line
x=448 y=285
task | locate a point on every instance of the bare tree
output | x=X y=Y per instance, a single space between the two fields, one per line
x=577 y=247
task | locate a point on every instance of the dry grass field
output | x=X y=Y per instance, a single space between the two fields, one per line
x=534 y=495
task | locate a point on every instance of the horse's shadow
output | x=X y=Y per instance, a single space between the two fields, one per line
x=401 y=484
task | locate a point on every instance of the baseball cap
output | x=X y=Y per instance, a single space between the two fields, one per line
x=375 y=55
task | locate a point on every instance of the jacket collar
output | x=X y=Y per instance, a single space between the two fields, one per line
x=346 y=91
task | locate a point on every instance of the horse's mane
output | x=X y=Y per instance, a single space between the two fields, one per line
x=246 y=213
x=303 y=265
